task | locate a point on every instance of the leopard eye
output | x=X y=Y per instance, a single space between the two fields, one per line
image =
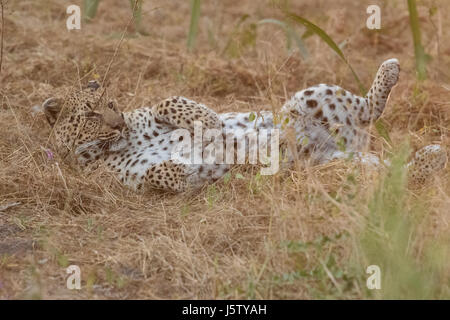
x=92 y=114
x=112 y=105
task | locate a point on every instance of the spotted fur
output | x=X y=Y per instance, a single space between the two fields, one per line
x=327 y=122
x=427 y=161
x=84 y=123
x=328 y=119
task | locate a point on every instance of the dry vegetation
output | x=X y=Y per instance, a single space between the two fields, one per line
x=301 y=234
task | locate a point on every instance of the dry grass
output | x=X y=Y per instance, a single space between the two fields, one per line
x=293 y=235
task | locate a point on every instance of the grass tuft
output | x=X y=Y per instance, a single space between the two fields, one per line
x=303 y=233
x=411 y=267
x=193 y=26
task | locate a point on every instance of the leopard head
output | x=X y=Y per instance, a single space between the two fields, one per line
x=86 y=123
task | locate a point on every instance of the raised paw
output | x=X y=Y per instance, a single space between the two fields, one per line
x=388 y=72
x=387 y=76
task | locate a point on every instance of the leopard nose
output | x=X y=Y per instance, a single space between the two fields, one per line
x=114 y=120
x=119 y=126
x=117 y=123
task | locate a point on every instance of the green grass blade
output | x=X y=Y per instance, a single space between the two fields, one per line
x=300 y=44
x=419 y=51
x=392 y=236
x=273 y=21
x=229 y=47
x=290 y=35
x=195 y=15
x=137 y=13
x=90 y=9
x=380 y=126
x=327 y=39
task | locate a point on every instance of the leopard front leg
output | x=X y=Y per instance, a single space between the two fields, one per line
x=182 y=112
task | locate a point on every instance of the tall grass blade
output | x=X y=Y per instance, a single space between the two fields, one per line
x=231 y=46
x=327 y=39
x=193 y=27
x=1 y=39
x=90 y=9
x=380 y=126
x=300 y=44
x=391 y=238
x=136 y=6
x=419 y=52
x=137 y=14
x=291 y=35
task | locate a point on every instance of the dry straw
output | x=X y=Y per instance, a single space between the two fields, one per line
x=297 y=234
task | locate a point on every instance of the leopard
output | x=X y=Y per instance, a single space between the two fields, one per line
x=318 y=124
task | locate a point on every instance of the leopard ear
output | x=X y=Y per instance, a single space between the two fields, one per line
x=52 y=107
